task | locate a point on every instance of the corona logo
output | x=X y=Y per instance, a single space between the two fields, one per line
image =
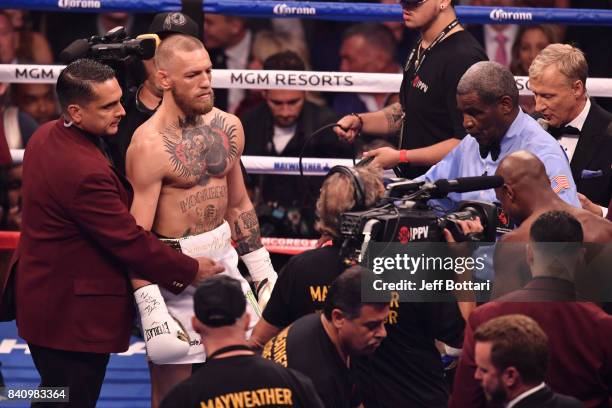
x=283 y=9
x=501 y=15
x=79 y=4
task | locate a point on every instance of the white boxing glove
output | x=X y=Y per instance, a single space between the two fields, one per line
x=165 y=338
x=261 y=270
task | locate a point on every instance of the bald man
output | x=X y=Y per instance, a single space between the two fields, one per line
x=525 y=195
x=184 y=165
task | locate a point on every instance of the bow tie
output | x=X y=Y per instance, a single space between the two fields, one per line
x=494 y=149
x=565 y=130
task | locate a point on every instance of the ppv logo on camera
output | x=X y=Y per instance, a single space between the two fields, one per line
x=407 y=234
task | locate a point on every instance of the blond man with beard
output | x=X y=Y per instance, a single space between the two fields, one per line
x=184 y=165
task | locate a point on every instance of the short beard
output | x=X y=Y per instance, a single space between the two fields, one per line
x=190 y=109
x=498 y=396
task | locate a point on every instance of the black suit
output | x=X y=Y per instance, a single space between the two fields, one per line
x=593 y=157
x=545 y=398
x=219 y=61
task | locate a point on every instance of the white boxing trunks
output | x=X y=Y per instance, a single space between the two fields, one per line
x=216 y=245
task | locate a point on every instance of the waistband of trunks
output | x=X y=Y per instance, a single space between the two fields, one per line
x=175 y=243
x=172 y=243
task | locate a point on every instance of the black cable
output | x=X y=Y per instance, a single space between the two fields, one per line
x=309 y=138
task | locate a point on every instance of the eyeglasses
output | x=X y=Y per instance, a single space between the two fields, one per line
x=411 y=4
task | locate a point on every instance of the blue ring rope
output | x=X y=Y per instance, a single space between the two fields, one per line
x=324 y=10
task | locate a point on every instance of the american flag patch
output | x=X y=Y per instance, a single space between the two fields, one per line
x=559 y=183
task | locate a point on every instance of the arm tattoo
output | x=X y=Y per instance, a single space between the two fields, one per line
x=247 y=232
x=394 y=116
x=199 y=150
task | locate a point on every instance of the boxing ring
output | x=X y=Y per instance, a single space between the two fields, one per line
x=127 y=382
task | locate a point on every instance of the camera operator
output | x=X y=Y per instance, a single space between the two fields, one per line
x=303 y=282
x=409 y=352
x=407 y=369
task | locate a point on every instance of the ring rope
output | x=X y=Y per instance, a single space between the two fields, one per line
x=323 y=10
x=319 y=81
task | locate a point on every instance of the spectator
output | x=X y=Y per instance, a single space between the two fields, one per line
x=8 y=40
x=366 y=47
x=322 y=346
x=228 y=41
x=37 y=100
x=497 y=39
x=558 y=78
x=530 y=40
x=16 y=128
x=107 y=21
x=266 y=44
x=512 y=355
x=280 y=127
x=32 y=46
x=232 y=370
x=594 y=41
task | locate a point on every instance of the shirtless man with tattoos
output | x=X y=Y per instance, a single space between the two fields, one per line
x=184 y=165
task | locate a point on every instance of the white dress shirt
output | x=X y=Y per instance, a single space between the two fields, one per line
x=491 y=44
x=569 y=142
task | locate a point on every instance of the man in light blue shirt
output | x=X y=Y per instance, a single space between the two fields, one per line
x=488 y=98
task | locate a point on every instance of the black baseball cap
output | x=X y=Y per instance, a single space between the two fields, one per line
x=173 y=22
x=219 y=301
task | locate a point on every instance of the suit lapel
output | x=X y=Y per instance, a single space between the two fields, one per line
x=590 y=139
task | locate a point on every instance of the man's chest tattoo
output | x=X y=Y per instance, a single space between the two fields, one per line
x=199 y=150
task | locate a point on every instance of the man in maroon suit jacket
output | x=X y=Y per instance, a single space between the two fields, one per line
x=79 y=242
x=579 y=333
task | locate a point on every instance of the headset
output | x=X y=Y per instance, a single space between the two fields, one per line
x=356 y=181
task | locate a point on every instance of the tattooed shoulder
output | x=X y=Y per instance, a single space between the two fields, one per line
x=200 y=150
